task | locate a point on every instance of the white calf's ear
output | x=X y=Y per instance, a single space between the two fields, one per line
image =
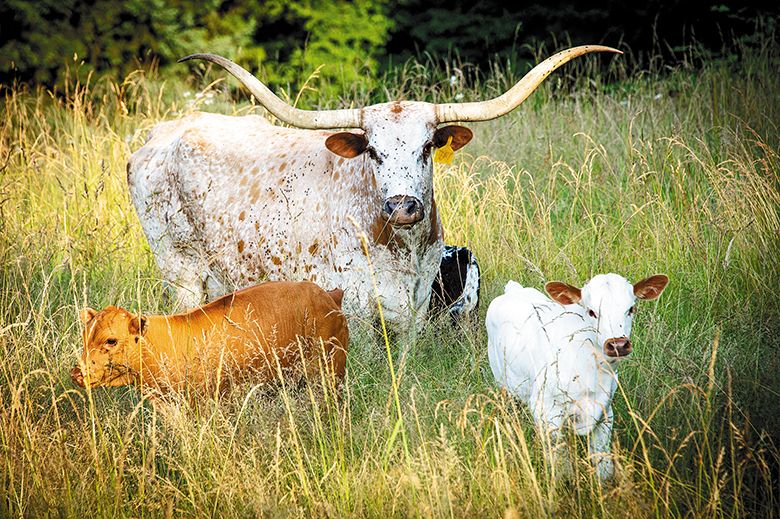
x=651 y=288
x=563 y=293
x=87 y=314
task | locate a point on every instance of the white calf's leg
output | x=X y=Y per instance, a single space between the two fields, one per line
x=548 y=418
x=599 y=446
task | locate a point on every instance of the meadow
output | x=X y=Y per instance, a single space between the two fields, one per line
x=610 y=166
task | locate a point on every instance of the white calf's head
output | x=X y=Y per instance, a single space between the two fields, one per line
x=610 y=301
x=398 y=138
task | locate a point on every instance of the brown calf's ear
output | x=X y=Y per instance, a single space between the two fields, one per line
x=460 y=136
x=337 y=295
x=651 y=288
x=347 y=144
x=137 y=325
x=563 y=293
x=87 y=314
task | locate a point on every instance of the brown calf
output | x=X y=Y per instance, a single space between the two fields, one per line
x=266 y=331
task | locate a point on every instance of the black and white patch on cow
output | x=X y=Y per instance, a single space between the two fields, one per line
x=456 y=288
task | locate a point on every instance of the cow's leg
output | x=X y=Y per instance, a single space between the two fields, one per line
x=456 y=287
x=171 y=235
x=599 y=447
x=548 y=418
x=184 y=276
x=185 y=271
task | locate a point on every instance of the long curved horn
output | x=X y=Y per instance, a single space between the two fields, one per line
x=314 y=119
x=511 y=99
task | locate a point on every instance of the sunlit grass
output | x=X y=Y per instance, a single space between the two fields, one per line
x=673 y=171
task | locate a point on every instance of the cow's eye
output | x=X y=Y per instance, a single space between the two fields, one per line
x=632 y=310
x=111 y=342
x=592 y=314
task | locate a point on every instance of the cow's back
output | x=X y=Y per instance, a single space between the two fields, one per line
x=517 y=345
x=150 y=167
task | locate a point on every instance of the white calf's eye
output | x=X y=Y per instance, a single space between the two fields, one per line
x=592 y=314
x=632 y=310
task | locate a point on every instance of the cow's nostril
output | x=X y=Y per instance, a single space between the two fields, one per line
x=410 y=206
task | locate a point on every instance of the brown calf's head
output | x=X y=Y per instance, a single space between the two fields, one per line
x=111 y=344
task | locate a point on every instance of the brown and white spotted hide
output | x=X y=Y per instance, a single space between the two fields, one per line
x=228 y=201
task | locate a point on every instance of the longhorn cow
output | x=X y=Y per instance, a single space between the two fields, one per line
x=228 y=201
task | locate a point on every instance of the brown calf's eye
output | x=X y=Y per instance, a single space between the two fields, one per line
x=632 y=310
x=111 y=342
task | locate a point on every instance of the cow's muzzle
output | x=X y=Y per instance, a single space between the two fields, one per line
x=618 y=347
x=402 y=210
x=77 y=376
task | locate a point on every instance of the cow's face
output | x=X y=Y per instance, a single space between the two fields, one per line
x=610 y=301
x=111 y=339
x=399 y=140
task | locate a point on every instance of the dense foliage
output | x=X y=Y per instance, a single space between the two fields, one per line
x=285 y=42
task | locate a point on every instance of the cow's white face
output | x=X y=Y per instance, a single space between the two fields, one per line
x=610 y=301
x=399 y=140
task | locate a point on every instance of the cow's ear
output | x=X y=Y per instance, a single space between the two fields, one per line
x=460 y=136
x=651 y=288
x=87 y=314
x=347 y=144
x=137 y=325
x=563 y=293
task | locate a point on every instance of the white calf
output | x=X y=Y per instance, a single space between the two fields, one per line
x=560 y=359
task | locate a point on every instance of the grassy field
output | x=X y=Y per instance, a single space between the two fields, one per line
x=636 y=171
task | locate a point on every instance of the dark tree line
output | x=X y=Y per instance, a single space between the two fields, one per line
x=284 y=41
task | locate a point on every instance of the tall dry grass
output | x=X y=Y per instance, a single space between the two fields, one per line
x=673 y=171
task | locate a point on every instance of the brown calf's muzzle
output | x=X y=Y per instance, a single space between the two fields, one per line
x=618 y=347
x=403 y=211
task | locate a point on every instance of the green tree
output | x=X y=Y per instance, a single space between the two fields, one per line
x=40 y=37
x=282 y=41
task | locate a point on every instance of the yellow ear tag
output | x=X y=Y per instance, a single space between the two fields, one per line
x=444 y=154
